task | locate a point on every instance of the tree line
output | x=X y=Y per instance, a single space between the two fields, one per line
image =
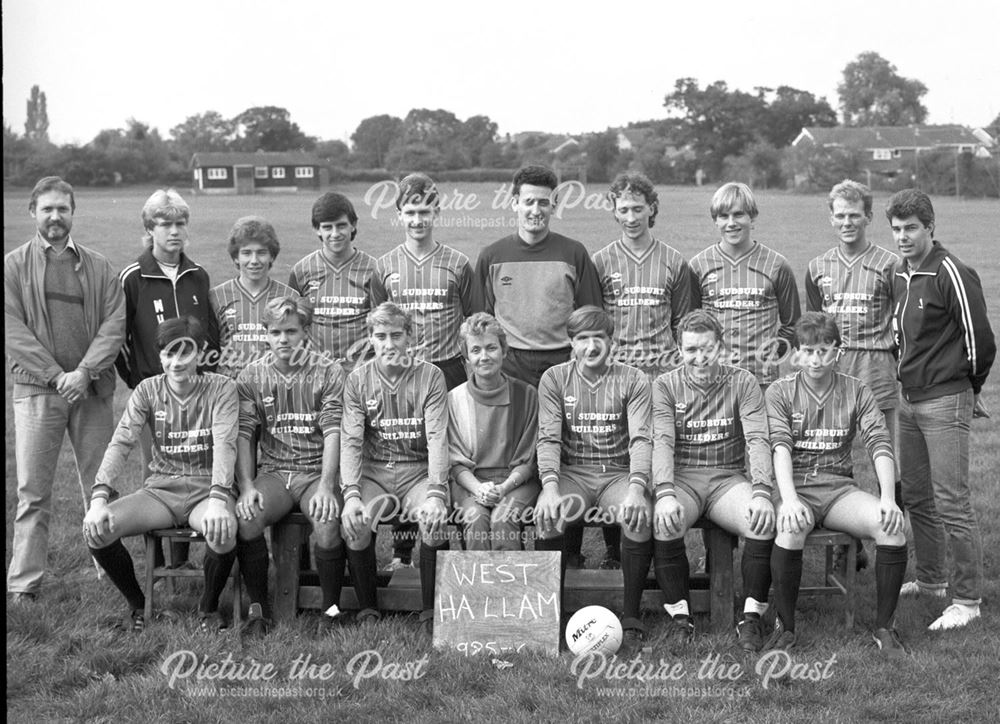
x=710 y=132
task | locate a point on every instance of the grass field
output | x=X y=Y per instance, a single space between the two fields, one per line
x=64 y=663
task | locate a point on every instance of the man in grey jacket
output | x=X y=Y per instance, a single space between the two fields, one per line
x=56 y=289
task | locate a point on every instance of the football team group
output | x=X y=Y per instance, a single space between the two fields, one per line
x=535 y=388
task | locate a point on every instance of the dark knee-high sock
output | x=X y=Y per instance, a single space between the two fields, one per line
x=898 y=493
x=117 y=563
x=557 y=544
x=756 y=568
x=890 y=569
x=252 y=556
x=330 y=567
x=363 y=571
x=786 y=572
x=218 y=566
x=180 y=551
x=573 y=540
x=613 y=539
x=635 y=567
x=673 y=572
x=428 y=571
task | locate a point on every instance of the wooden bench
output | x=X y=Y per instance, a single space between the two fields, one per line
x=153 y=573
x=834 y=583
x=400 y=591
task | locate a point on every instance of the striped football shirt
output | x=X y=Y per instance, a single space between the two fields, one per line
x=242 y=337
x=710 y=425
x=192 y=436
x=341 y=296
x=757 y=301
x=819 y=430
x=436 y=290
x=295 y=411
x=646 y=295
x=857 y=292
x=605 y=422
x=388 y=422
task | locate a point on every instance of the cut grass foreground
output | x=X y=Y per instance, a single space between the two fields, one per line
x=66 y=663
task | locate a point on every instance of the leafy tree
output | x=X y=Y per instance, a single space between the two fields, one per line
x=994 y=128
x=269 y=128
x=436 y=133
x=334 y=152
x=603 y=156
x=717 y=122
x=416 y=156
x=476 y=133
x=207 y=131
x=874 y=94
x=36 y=126
x=789 y=111
x=374 y=137
x=759 y=166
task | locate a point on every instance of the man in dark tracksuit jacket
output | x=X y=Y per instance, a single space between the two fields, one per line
x=945 y=351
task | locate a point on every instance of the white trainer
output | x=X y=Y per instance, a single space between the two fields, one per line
x=956 y=615
x=916 y=588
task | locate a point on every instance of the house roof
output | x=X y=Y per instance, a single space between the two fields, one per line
x=891 y=137
x=260 y=158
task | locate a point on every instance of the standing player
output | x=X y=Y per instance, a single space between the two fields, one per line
x=647 y=289
x=431 y=281
x=394 y=446
x=65 y=321
x=853 y=283
x=294 y=396
x=492 y=427
x=646 y=284
x=193 y=418
x=239 y=303
x=338 y=280
x=749 y=286
x=532 y=280
x=814 y=415
x=946 y=349
x=706 y=416
x=594 y=451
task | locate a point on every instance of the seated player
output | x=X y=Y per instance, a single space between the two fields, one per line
x=294 y=396
x=193 y=418
x=492 y=425
x=594 y=451
x=813 y=417
x=394 y=455
x=239 y=303
x=706 y=418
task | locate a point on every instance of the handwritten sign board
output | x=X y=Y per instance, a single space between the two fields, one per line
x=497 y=602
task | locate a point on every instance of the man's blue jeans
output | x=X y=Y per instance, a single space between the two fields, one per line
x=934 y=466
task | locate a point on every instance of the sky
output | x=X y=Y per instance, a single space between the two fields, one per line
x=528 y=65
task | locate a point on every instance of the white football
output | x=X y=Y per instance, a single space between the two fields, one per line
x=593 y=629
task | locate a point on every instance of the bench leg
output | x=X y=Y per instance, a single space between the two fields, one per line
x=287 y=542
x=150 y=578
x=851 y=573
x=720 y=579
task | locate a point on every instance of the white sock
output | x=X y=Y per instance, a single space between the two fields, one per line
x=752 y=605
x=677 y=609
